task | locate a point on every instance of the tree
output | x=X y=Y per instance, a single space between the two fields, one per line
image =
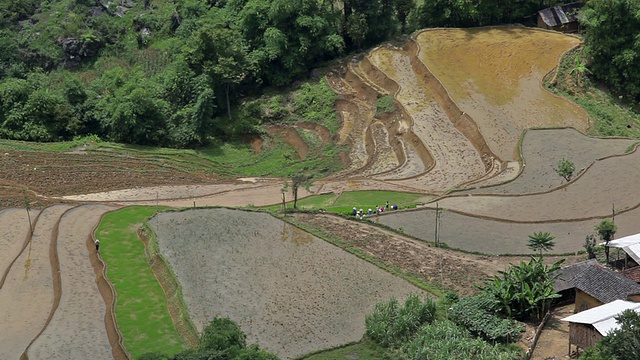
x=222 y=339
x=614 y=59
x=565 y=168
x=222 y=334
x=621 y=343
x=606 y=229
x=541 y=241
x=297 y=181
x=590 y=245
x=403 y=9
x=579 y=69
x=524 y=291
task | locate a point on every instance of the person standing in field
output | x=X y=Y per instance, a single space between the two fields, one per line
x=97 y=243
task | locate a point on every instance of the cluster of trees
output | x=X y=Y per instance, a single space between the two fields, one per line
x=171 y=73
x=222 y=339
x=611 y=44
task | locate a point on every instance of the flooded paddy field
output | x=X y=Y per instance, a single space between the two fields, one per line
x=289 y=291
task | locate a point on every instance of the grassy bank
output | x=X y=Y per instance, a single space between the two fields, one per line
x=609 y=114
x=345 y=202
x=141 y=307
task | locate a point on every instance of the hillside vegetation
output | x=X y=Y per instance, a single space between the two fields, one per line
x=170 y=73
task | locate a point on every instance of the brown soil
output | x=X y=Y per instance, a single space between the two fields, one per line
x=497 y=79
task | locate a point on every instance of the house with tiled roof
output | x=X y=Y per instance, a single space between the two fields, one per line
x=563 y=285
x=596 y=285
x=588 y=284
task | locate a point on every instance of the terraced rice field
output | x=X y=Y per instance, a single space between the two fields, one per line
x=52 y=307
x=455 y=128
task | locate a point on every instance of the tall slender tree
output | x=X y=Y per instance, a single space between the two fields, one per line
x=606 y=229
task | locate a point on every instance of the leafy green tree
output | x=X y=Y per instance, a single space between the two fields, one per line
x=217 y=50
x=524 y=291
x=448 y=13
x=621 y=343
x=590 y=246
x=222 y=334
x=614 y=59
x=579 y=69
x=368 y=22
x=221 y=339
x=403 y=9
x=541 y=241
x=565 y=168
x=287 y=37
x=299 y=180
x=606 y=229
x=357 y=29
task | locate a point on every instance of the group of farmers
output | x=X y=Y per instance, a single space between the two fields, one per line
x=378 y=210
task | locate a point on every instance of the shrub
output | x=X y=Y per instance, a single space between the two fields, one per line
x=385 y=105
x=444 y=340
x=478 y=315
x=391 y=324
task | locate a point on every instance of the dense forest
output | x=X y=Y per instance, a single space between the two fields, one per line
x=172 y=73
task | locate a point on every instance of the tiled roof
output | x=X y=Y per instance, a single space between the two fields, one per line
x=566 y=273
x=559 y=15
x=633 y=273
x=605 y=285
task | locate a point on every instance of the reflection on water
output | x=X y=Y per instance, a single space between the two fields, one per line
x=294 y=235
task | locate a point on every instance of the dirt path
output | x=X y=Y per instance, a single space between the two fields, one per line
x=554 y=340
x=77 y=329
x=28 y=288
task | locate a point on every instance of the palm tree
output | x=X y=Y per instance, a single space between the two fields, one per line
x=579 y=69
x=541 y=241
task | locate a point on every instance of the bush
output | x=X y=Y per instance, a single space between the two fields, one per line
x=444 y=340
x=391 y=324
x=478 y=315
x=385 y=105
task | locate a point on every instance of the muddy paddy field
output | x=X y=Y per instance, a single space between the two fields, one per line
x=291 y=292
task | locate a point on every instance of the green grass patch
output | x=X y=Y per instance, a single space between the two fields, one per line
x=369 y=199
x=344 y=203
x=610 y=116
x=141 y=307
